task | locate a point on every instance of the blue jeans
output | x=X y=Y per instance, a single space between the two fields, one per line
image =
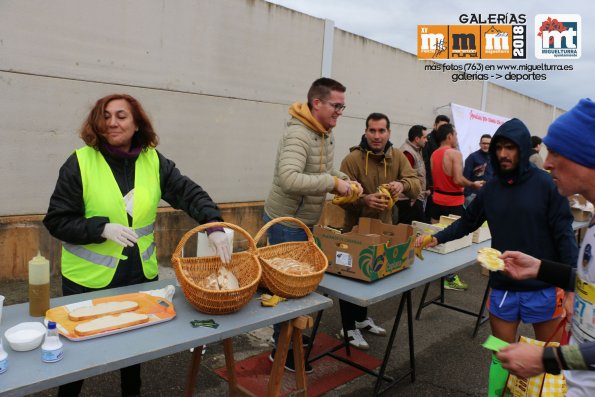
x=278 y=234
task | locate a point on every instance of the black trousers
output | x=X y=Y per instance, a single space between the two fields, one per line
x=427 y=212
x=409 y=213
x=350 y=313
x=130 y=380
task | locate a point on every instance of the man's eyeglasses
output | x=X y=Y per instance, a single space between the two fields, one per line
x=339 y=107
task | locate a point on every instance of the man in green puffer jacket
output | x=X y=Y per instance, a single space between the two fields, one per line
x=304 y=171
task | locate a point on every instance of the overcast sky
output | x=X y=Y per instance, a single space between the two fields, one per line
x=394 y=22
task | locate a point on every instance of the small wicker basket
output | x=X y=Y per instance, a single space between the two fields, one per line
x=291 y=285
x=244 y=265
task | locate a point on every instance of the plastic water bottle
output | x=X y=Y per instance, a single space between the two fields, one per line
x=3 y=358
x=51 y=349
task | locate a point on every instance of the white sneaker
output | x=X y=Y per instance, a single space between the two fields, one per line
x=368 y=325
x=356 y=339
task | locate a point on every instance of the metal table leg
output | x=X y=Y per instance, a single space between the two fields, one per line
x=406 y=298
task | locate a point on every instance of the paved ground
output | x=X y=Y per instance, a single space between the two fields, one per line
x=449 y=361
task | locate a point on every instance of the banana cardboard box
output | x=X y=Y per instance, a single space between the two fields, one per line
x=371 y=251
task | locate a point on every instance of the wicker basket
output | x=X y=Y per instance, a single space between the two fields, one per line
x=291 y=285
x=244 y=265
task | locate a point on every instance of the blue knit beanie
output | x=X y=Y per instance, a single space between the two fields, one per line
x=573 y=134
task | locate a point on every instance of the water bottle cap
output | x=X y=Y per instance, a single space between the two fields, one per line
x=51 y=325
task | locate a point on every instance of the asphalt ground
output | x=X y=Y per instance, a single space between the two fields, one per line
x=449 y=362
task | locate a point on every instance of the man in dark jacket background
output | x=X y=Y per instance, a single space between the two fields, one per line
x=525 y=213
x=478 y=166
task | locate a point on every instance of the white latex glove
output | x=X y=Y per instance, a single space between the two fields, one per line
x=220 y=242
x=120 y=234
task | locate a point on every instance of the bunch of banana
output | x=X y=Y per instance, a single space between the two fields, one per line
x=355 y=193
x=427 y=240
x=386 y=192
x=270 y=300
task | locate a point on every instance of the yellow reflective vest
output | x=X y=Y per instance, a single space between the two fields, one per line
x=94 y=265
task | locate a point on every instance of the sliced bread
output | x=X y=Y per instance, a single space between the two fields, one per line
x=102 y=309
x=109 y=323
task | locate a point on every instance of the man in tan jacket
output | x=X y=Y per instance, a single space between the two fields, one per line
x=372 y=163
x=304 y=171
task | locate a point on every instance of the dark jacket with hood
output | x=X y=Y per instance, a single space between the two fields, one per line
x=524 y=211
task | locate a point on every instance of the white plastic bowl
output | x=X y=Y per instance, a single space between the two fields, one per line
x=25 y=336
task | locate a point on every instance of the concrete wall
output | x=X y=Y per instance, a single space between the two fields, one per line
x=213 y=76
x=216 y=77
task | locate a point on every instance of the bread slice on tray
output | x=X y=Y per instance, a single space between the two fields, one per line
x=102 y=309
x=110 y=323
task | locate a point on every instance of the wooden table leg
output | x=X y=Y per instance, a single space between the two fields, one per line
x=193 y=372
x=298 y=325
x=230 y=365
x=280 y=357
x=234 y=388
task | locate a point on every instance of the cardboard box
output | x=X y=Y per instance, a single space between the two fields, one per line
x=447 y=220
x=581 y=208
x=482 y=234
x=371 y=251
x=444 y=248
x=479 y=236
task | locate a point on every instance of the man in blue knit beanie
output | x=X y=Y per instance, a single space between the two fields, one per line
x=571 y=160
x=573 y=134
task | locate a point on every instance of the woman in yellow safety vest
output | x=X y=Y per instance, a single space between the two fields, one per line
x=104 y=206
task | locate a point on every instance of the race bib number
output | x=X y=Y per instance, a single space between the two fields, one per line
x=583 y=319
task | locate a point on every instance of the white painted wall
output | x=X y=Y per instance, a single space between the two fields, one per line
x=216 y=77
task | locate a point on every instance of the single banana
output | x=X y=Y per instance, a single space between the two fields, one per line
x=386 y=192
x=418 y=250
x=270 y=300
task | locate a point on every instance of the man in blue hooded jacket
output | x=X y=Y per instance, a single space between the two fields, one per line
x=525 y=213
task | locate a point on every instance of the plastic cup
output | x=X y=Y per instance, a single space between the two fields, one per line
x=1 y=305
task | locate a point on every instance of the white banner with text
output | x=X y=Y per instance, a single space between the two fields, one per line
x=471 y=124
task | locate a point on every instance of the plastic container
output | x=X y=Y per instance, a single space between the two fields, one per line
x=52 y=350
x=25 y=336
x=3 y=359
x=39 y=286
x=1 y=306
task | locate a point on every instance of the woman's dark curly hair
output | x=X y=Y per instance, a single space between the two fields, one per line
x=94 y=126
